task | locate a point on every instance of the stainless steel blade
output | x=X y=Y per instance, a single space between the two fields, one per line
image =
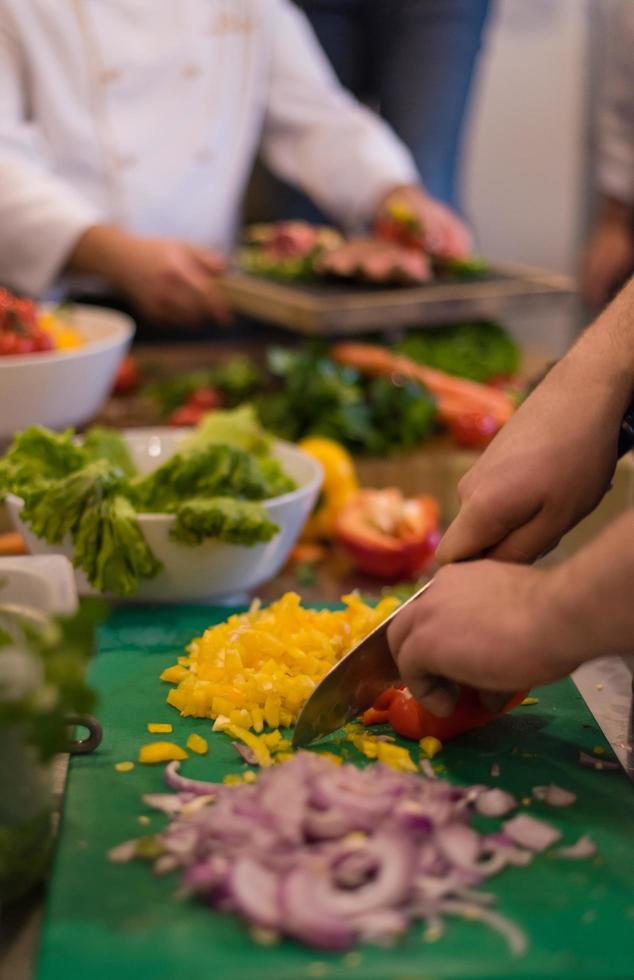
x=607 y=687
x=352 y=685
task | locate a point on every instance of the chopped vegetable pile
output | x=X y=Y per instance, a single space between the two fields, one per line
x=374 y=401
x=331 y=855
x=259 y=667
x=24 y=329
x=92 y=492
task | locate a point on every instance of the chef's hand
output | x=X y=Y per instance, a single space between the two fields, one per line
x=443 y=232
x=493 y=626
x=168 y=280
x=553 y=462
x=609 y=254
x=505 y=628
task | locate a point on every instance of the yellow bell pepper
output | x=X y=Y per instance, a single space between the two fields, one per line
x=254 y=742
x=124 y=766
x=161 y=752
x=430 y=746
x=339 y=486
x=198 y=744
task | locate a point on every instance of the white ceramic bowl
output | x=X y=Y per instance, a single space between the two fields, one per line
x=68 y=387
x=212 y=571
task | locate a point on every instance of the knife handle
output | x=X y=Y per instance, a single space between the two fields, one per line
x=626 y=434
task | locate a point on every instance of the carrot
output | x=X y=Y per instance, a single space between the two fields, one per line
x=455 y=396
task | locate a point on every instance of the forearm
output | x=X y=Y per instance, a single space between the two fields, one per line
x=601 y=363
x=594 y=593
x=100 y=251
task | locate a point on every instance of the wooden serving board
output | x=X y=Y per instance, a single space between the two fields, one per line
x=346 y=309
x=114 y=922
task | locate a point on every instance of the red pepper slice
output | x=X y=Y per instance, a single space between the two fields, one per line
x=409 y=719
x=375 y=717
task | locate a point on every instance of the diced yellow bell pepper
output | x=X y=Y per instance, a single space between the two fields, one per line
x=198 y=744
x=158 y=728
x=430 y=746
x=254 y=742
x=161 y=752
x=396 y=757
x=175 y=674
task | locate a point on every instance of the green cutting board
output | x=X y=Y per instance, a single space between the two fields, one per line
x=114 y=922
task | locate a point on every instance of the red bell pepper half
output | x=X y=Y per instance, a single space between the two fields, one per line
x=387 y=535
x=398 y=708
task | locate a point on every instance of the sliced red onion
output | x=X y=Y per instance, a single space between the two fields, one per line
x=554 y=795
x=247 y=754
x=165 y=864
x=170 y=803
x=305 y=917
x=183 y=785
x=256 y=892
x=595 y=763
x=460 y=844
x=123 y=853
x=468 y=910
x=332 y=855
x=530 y=832
x=583 y=848
x=427 y=769
x=381 y=927
x=495 y=803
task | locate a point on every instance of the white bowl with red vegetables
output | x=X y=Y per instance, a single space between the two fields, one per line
x=161 y=514
x=57 y=366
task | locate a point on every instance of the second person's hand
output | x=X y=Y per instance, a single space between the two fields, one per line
x=168 y=280
x=173 y=281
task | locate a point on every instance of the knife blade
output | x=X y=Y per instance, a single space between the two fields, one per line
x=352 y=685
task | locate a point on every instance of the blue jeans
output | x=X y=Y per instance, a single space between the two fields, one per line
x=412 y=60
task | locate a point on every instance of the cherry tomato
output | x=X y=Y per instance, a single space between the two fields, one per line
x=8 y=343
x=205 y=398
x=128 y=376
x=186 y=415
x=474 y=430
x=42 y=341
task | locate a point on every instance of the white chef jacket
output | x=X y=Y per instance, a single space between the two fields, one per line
x=148 y=113
x=615 y=149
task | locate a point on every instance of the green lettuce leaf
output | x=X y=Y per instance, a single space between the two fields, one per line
x=108 y=444
x=54 y=508
x=37 y=454
x=110 y=547
x=239 y=428
x=235 y=521
x=215 y=471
